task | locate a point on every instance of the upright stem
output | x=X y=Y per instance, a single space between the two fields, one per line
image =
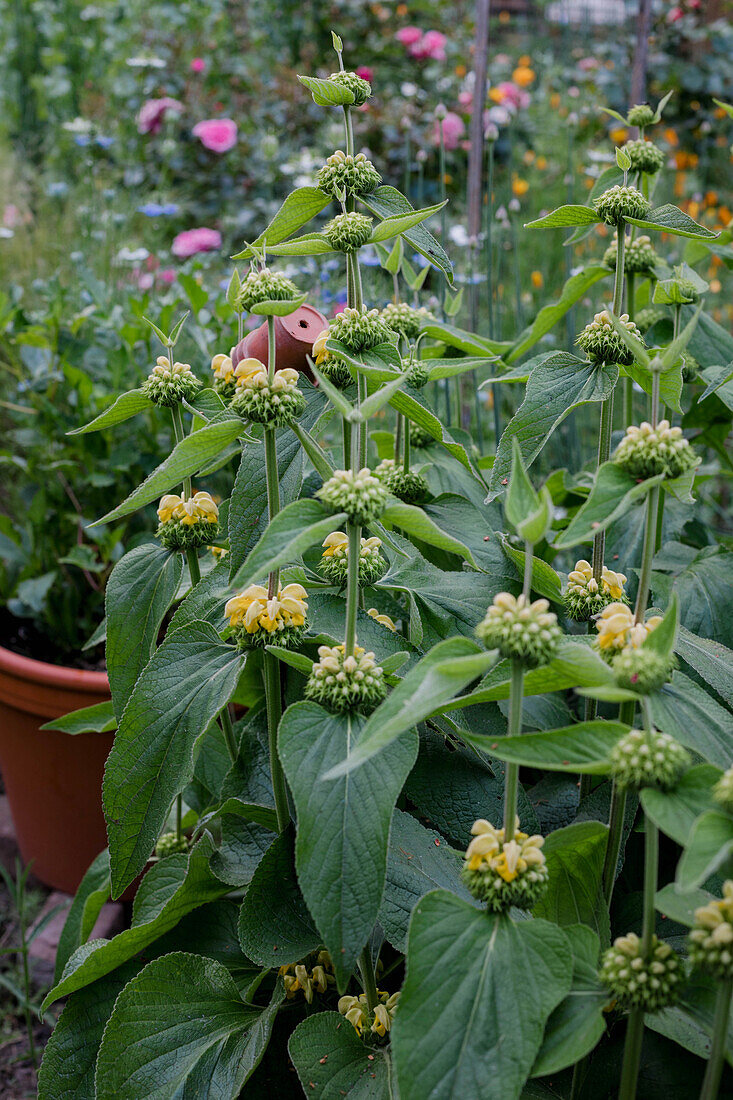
x=632 y=1054
x=227 y=728
x=352 y=588
x=194 y=568
x=349 y=131
x=629 y=382
x=368 y=978
x=714 y=1071
x=604 y=451
x=527 y=579
x=651 y=859
x=511 y=775
x=406 y=459
x=346 y=435
x=273 y=699
x=273 y=495
x=650 y=535
x=399 y=428
x=616 y=817
x=180 y=434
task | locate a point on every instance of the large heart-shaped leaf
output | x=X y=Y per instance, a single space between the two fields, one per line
x=685 y=710
x=332 y=1061
x=575 y=858
x=709 y=847
x=248 y=502
x=676 y=811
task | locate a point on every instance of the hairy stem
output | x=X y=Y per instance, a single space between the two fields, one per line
x=604 y=451
x=368 y=978
x=632 y=1054
x=406 y=449
x=616 y=817
x=511 y=775
x=650 y=537
x=180 y=434
x=714 y=1071
x=399 y=428
x=273 y=495
x=651 y=859
x=273 y=698
x=352 y=588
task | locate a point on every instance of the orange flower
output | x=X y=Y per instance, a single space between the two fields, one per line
x=619 y=134
x=724 y=215
x=460 y=70
x=528 y=156
x=496 y=95
x=555 y=101
x=537 y=280
x=671 y=137
x=541 y=162
x=504 y=16
x=718 y=113
x=401 y=9
x=519 y=186
x=523 y=76
x=711 y=198
x=525 y=59
x=715 y=286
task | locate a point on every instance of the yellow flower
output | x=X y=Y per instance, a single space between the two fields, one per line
x=612 y=584
x=487 y=851
x=334 y=542
x=319 y=347
x=222 y=367
x=383 y=620
x=520 y=186
x=523 y=76
x=617 y=629
x=218 y=552
x=541 y=162
x=356 y=1011
x=257 y=611
x=537 y=280
x=619 y=134
x=247 y=370
x=200 y=508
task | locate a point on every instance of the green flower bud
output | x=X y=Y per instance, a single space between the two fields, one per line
x=646 y=451
x=345 y=684
x=168 y=385
x=690 y=367
x=644 y=156
x=639 y=257
x=361 y=495
x=405 y=320
x=723 y=790
x=272 y=403
x=637 y=982
x=621 y=202
x=642 y=670
x=168 y=843
x=408 y=486
x=187 y=524
x=335 y=371
x=348 y=232
x=711 y=936
x=524 y=631
x=265 y=286
x=385 y=468
x=688 y=289
x=360 y=88
x=640 y=115
x=647 y=758
x=505 y=874
x=354 y=175
x=602 y=344
x=417 y=371
x=585 y=597
x=334 y=563
x=420 y=437
x=645 y=318
x=360 y=329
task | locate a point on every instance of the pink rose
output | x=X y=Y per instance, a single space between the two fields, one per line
x=365 y=72
x=466 y=99
x=152 y=113
x=408 y=36
x=197 y=65
x=453 y=130
x=168 y=275
x=675 y=15
x=433 y=45
x=217 y=134
x=191 y=241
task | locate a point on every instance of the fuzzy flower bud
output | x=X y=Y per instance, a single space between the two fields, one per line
x=223 y=371
x=334 y=563
x=642 y=670
x=644 y=156
x=187 y=524
x=602 y=344
x=334 y=369
x=257 y=619
x=385 y=468
x=361 y=495
x=585 y=597
x=344 y=684
x=723 y=790
x=301 y=978
x=378 y=1022
x=272 y=403
x=342 y=172
x=167 y=385
x=527 y=632
x=504 y=874
x=647 y=758
x=636 y=982
x=639 y=257
x=640 y=115
x=408 y=486
x=688 y=289
x=711 y=937
x=169 y=843
x=359 y=329
x=360 y=88
x=621 y=202
x=646 y=451
x=348 y=232
x=419 y=437
x=417 y=371
x=405 y=320
x=383 y=620
x=265 y=286
x=617 y=629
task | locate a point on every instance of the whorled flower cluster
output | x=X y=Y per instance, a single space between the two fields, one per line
x=644 y=156
x=646 y=451
x=520 y=630
x=636 y=981
x=343 y=172
x=503 y=874
x=360 y=89
x=272 y=403
x=711 y=936
x=649 y=316
x=617 y=629
x=186 y=524
x=378 y=1022
x=360 y=494
x=648 y=758
x=585 y=597
x=420 y=437
x=348 y=232
x=407 y=485
x=360 y=329
x=723 y=790
x=417 y=371
x=345 y=684
x=167 y=384
x=602 y=344
x=257 y=619
x=639 y=257
x=264 y=285
x=306 y=979
x=335 y=370
x=170 y=843
x=223 y=370
x=334 y=563
x=621 y=202
x=641 y=115
x=642 y=670
x=404 y=319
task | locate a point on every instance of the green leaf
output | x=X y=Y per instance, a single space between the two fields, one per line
x=662 y=639
x=545 y=581
x=575 y=858
x=584 y=748
x=181 y=1029
x=681 y=907
x=521 y=499
x=676 y=811
x=277 y=308
x=310 y=244
x=99 y=718
x=469 y=342
x=711 y=660
x=670 y=219
x=380 y=397
x=418 y=860
x=436 y=679
x=623 y=160
x=327 y=93
x=613 y=493
x=275 y=927
x=299 y=207
x=565 y=216
x=683 y=709
x=451 y=368
x=181 y=882
x=703 y=589
x=467 y=970
x=400 y=223
x=385 y=202
x=315 y=452
x=299 y=525
x=186 y=683
x=414 y=521
x=332 y=1061
x=247 y=831
x=574 y=289
x=127 y=405
x=188 y=457
x=409 y=402
x=140 y=590
x=339 y=400
x=342 y=877
x=92 y=894
x=709 y=848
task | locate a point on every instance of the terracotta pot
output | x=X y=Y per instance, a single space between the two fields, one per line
x=294 y=339
x=53 y=780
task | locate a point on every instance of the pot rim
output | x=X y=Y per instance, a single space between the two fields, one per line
x=28 y=668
